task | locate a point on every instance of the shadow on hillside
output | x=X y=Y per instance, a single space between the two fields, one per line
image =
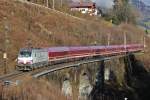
x=137 y=84
x=140 y=80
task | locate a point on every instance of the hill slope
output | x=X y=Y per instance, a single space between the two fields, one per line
x=42 y=27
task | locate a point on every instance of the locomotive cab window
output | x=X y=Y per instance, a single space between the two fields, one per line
x=25 y=53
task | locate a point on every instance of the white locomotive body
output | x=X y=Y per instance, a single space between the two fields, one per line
x=29 y=59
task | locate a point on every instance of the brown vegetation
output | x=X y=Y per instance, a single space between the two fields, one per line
x=45 y=28
x=31 y=89
x=40 y=27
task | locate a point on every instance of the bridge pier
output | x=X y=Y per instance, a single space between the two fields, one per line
x=99 y=84
x=109 y=71
x=67 y=86
x=110 y=75
x=76 y=68
x=128 y=68
x=85 y=86
x=101 y=76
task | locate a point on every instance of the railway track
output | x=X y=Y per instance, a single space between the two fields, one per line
x=11 y=76
x=45 y=70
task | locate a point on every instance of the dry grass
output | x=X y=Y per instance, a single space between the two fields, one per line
x=46 y=28
x=145 y=58
x=32 y=89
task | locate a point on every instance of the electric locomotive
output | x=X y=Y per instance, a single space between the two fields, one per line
x=31 y=58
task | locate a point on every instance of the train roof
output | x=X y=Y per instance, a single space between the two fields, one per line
x=57 y=49
x=72 y=48
x=30 y=49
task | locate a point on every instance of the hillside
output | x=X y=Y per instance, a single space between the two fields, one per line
x=145 y=13
x=32 y=89
x=42 y=27
x=144 y=8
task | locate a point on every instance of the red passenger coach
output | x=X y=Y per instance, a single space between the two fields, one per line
x=91 y=51
x=58 y=52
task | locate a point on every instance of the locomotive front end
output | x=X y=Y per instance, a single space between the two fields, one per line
x=25 y=60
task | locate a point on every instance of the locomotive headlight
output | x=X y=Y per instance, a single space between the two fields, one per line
x=25 y=61
x=20 y=61
x=29 y=62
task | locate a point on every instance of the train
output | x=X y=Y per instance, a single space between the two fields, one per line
x=33 y=58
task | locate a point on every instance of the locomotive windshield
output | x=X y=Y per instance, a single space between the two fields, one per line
x=25 y=54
